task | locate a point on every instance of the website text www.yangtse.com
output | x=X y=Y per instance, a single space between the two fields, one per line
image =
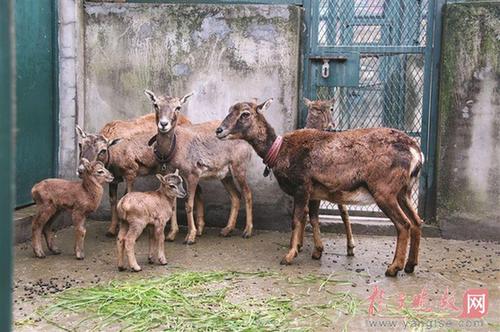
x=425 y=324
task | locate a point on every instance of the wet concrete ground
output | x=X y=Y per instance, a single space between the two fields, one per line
x=445 y=265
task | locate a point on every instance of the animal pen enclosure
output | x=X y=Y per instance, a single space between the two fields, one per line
x=87 y=63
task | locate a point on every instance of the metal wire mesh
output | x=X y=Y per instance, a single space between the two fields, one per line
x=391 y=38
x=372 y=23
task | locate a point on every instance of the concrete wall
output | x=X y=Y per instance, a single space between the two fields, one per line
x=224 y=53
x=469 y=127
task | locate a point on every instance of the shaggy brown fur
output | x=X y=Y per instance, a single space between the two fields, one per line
x=137 y=210
x=351 y=167
x=319 y=116
x=198 y=154
x=128 y=159
x=80 y=197
x=128 y=128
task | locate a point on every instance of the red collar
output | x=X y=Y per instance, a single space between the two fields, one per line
x=272 y=154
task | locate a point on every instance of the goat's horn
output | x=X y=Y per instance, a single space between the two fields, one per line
x=176 y=171
x=80 y=131
x=150 y=94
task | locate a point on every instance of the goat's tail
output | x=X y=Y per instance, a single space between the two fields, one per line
x=417 y=161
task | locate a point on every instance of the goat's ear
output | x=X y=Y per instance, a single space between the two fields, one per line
x=176 y=172
x=80 y=132
x=85 y=163
x=186 y=97
x=114 y=141
x=151 y=95
x=265 y=105
x=152 y=140
x=307 y=102
x=160 y=178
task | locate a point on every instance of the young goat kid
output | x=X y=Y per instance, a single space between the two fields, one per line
x=81 y=197
x=137 y=210
x=127 y=160
x=319 y=116
x=359 y=166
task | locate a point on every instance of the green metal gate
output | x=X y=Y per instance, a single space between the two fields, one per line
x=375 y=58
x=36 y=86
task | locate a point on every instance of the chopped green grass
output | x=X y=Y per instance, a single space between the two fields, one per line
x=180 y=301
x=206 y=301
x=217 y=301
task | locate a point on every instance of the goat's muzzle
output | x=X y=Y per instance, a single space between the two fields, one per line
x=221 y=133
x=164 y=127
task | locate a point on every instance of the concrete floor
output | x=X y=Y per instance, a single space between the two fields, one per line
x=444 y=264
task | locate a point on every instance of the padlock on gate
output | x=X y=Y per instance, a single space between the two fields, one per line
x=325 y=69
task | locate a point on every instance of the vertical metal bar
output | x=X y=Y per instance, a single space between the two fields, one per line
x=55 y=82
x=307 y=42
x=7 y=109
x=430 y=112
x=430 y=199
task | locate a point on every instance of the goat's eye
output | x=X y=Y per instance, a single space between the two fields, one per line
x=100 y=171
x=245 y=115
x=178 y=109
x=331 y=109
x=172 y=186
x=103 y=151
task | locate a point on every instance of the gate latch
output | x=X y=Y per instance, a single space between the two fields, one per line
x=325 y=69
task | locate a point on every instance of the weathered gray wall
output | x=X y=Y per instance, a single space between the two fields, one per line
x=224 y=53
x=469 y=135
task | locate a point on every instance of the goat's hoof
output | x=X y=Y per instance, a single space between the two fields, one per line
x=391 y=272
x=286 y=261
x=136 y=269
x=162 y=261
x=317 y=255
x=80 y=258
x=350 y=252
x=170 y=238
x=225 y=232
x=189 y=242
x=246 y=235
x=110 y=234
x=40 y=255
x=299 y=248
x=121 y=268
x=55 y=251
x=409 y=268
x=150 y=260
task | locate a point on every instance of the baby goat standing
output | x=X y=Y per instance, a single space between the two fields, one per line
x=54 y=195
x=137 y=210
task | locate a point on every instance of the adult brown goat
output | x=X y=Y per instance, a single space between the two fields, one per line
x=352 y=167
x=199 y=155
